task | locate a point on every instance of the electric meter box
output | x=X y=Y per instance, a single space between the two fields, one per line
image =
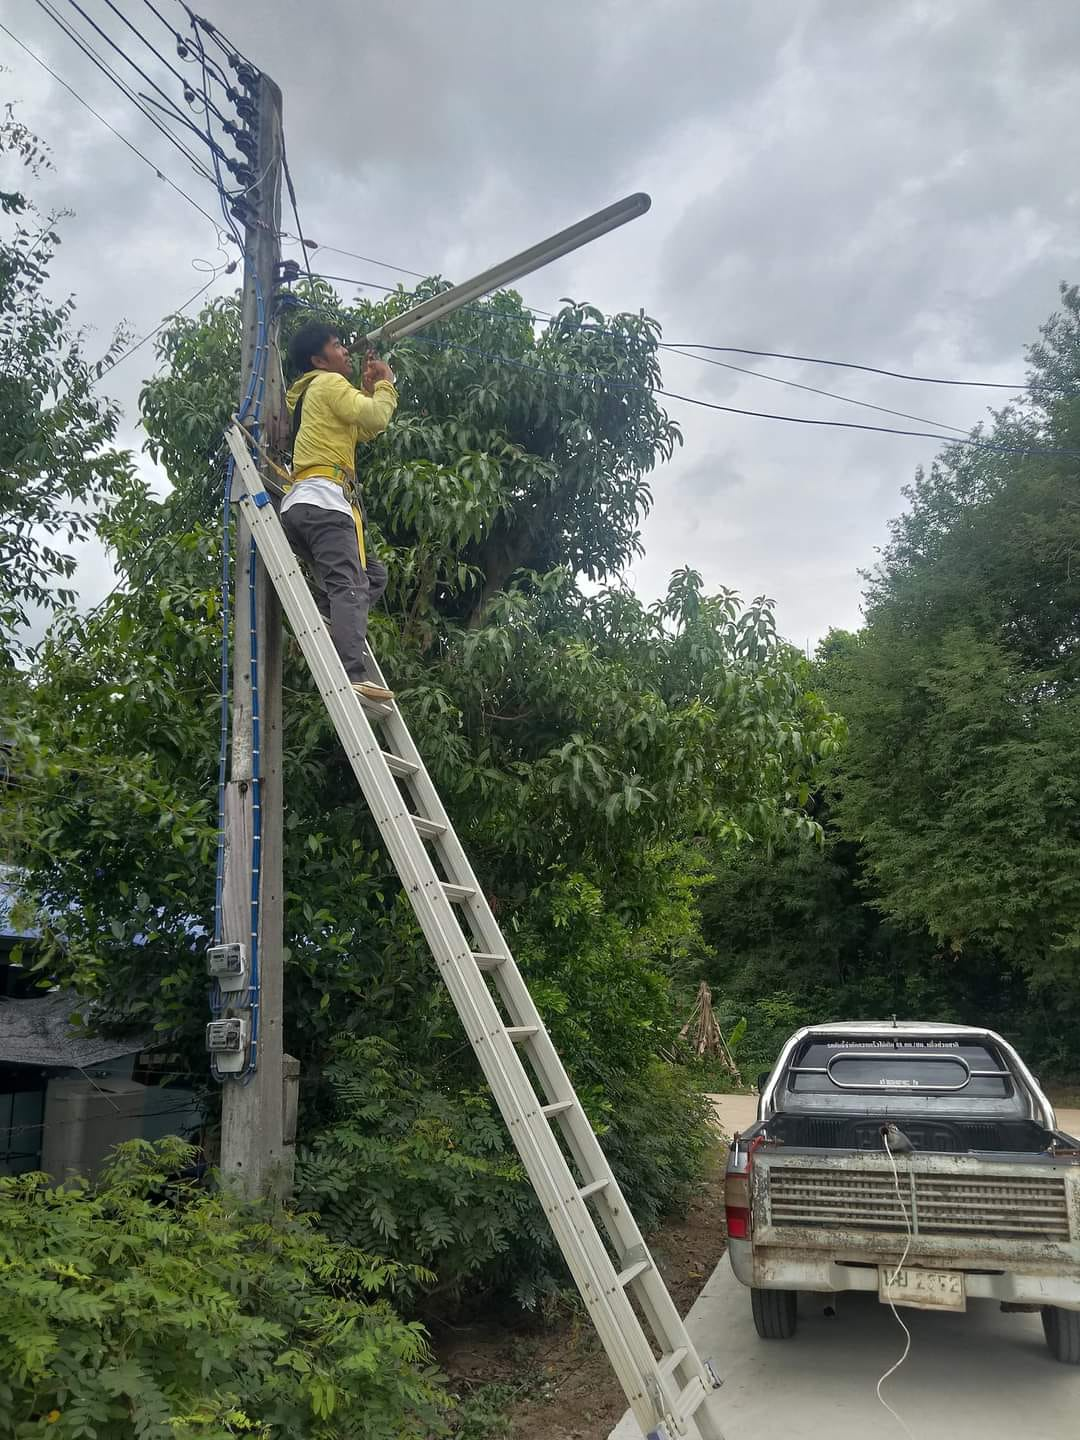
x=227 y=964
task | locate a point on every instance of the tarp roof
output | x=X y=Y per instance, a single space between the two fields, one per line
x=39 y=1031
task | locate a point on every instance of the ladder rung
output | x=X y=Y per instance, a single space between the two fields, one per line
x=691 y=1398
x=670 y=1363
x=428 y=829
x=374 y=707
x=632 y=1272
x=593 y=1188
x=457 y=892
x=518 y=1033
x=557 y=1108
x=397 y=766
x=489 y=962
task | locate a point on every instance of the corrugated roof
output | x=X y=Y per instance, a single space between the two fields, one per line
x=39 y=1032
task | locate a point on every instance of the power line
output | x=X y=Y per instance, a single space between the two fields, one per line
x=224 y=269
x=138 y=68
x=110 y=72
x=182 y=47
x=845 y=365
x=685 y=348
x=121 y=137
x=230 y=50
x=364 y=284
x=684 y=345
x=579 y=377
x=961 y=437
x=155 y=52
x=813 y=390
x=192 y=1104
x=352 y=255
x=193 y=500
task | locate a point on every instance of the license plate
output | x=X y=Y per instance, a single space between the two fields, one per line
x=925 y=1289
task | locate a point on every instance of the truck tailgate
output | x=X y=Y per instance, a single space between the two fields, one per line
x=968 y=1211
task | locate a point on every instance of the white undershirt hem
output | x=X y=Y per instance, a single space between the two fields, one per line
x=316 y=491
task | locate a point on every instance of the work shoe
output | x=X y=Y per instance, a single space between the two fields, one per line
x=368 y=690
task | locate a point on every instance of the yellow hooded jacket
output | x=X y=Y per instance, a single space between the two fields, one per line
x=336 y=417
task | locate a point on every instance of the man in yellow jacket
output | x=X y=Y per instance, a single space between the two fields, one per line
x=322 y=512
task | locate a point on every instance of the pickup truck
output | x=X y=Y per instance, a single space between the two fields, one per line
x=974 y=1195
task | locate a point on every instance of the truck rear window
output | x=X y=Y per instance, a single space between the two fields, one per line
x=830 y=1067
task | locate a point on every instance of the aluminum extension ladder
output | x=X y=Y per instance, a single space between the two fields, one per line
x=670 y=1394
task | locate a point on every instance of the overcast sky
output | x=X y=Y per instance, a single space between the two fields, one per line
x=884 y=181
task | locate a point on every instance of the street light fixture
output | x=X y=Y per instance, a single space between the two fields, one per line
x=440 y=306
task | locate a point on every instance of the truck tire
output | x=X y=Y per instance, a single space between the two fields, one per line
x=775 y=1312
x=1062 y=1331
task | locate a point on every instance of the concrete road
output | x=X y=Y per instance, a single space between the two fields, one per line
x=978 y=1376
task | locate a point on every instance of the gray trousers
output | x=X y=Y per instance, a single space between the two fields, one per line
x=344 y=590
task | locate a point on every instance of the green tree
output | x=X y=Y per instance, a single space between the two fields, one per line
x=593 y=752
x=961 y=782
x=60 y=478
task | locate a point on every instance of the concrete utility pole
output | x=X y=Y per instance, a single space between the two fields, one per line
x=258 y=1115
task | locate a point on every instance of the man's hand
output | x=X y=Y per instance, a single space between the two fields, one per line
x=374 y=371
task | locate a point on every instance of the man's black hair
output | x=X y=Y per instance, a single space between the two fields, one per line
x=311 y=339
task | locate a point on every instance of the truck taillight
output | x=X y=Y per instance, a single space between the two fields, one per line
x=738 y=1222
x=737 y=1203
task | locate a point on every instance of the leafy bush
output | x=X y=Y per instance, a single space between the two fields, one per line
x=429 y=1173
x=142 y=1307
x=656 y=1131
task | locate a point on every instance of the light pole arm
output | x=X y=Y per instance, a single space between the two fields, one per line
x=439 y=306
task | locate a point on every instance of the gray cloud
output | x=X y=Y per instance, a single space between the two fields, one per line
x=885 y=183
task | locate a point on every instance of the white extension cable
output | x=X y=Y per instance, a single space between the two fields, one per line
x=890 y=1281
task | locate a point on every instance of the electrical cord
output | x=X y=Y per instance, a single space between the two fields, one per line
x=252 y=399
x=296 y=211
x=890 y=1280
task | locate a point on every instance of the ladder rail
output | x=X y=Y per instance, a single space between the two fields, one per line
x=588 y=1154
x=477 y=1009
x=653 y=1388
x=615 y=1215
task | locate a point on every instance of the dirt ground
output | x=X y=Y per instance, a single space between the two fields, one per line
x=559 y=1384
